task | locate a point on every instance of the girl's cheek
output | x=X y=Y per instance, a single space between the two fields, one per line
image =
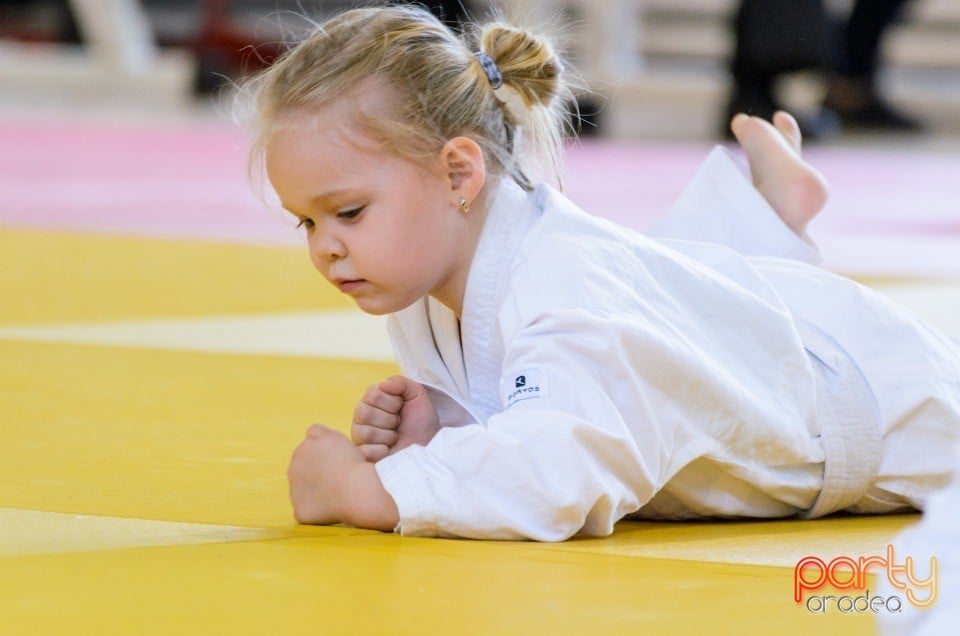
x=315 y=261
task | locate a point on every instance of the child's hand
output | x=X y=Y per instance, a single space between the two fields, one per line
x=331 y=482
x=391 y=416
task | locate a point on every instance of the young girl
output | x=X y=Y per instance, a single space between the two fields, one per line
x=561 y=372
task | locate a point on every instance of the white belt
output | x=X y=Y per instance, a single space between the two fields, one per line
x=849 y=424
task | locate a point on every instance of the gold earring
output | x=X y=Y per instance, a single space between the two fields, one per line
x=464 y=206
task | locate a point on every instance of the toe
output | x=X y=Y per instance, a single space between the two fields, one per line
x=761 y=141
x=738 y=124
x=787 y=126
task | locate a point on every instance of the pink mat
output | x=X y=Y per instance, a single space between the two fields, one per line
x=890 y=212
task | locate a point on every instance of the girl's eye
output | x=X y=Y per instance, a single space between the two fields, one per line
x=351 y=213
x=305 y=222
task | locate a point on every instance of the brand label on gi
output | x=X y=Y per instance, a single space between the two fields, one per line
x=524 y=385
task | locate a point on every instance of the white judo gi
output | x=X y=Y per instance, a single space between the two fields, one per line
x=598 y=373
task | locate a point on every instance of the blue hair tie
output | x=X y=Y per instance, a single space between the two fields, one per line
x=490 y=68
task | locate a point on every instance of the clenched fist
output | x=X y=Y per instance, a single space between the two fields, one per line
x=391 y=416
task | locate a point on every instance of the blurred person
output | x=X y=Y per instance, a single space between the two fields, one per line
x=47 y=21
x=775 y=37
x=852 y=91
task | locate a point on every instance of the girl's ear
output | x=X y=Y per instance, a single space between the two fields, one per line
x=461 y=160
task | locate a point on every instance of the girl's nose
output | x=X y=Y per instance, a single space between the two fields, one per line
x=327 y=247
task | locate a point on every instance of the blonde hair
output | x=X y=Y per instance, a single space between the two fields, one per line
x=442 y=89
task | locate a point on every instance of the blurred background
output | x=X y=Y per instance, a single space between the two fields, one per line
x=659 y=69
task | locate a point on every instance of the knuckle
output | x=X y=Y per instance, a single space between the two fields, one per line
x=393 y=404
x=361 y=434
x=373 y=452
x=362 y=412
x=303 y=514
x=357 y=433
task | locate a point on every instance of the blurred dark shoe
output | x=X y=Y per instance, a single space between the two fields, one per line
x=857 y=105
x=877 y=115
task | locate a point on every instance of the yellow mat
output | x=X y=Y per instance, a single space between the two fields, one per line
x=142 y=486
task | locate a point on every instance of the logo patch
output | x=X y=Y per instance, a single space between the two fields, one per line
x=524 y=385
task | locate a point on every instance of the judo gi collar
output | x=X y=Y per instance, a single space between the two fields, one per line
x=512 y=212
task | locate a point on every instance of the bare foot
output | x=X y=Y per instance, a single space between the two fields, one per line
x=794 y=188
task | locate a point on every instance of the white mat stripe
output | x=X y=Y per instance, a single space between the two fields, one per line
x=332 y=334
x=36 y=532
x=351 y=334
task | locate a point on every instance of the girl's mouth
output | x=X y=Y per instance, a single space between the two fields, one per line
x=348 y=286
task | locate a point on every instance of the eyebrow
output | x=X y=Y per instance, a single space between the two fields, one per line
x=326 y=196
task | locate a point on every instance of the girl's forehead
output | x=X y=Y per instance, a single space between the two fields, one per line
x=333 y=119
x=315 y=134
x=342 y=122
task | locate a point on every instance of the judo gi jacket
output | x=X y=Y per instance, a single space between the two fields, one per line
x=597 y=373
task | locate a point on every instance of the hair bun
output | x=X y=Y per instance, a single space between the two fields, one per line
x=528 y=63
